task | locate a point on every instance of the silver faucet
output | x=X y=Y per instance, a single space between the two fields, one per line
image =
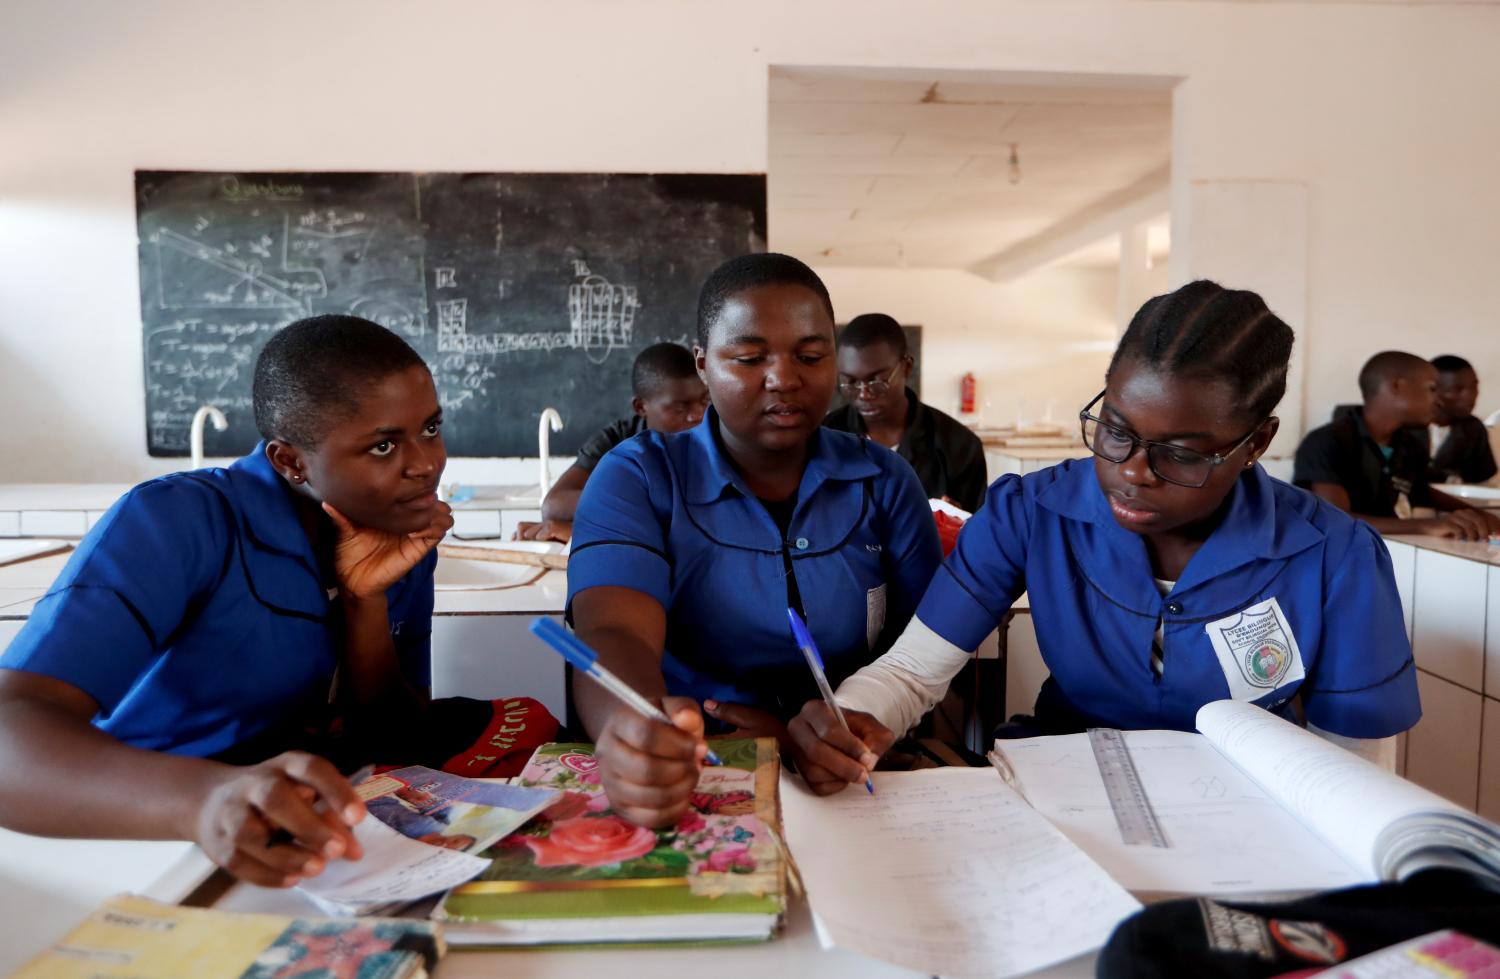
x=195 y=433
x=550 y=419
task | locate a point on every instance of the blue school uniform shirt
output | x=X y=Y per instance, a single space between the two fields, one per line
x=1095 y=606
x=668 y=516
x=195 y=614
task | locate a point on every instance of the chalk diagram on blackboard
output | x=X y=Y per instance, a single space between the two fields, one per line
x=248 y=273
x=601 y=319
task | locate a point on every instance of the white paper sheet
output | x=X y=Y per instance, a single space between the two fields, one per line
x=1227 y=834
x=392 y=869
x=1350 y=802
x=947 y=871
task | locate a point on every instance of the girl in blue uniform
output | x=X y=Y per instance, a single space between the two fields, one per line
x=1167 y=572
x=216 y=614
x=689 y=548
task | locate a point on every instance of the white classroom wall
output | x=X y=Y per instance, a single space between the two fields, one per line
x=1385 y=112
x=1043 y=340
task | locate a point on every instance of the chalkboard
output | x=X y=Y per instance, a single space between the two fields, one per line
x=520 y=290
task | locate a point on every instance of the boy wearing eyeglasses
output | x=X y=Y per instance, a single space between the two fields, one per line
x=874 y=364
x=1167 y=572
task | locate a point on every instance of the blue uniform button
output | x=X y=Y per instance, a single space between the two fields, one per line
x=1174 y=608
x=801 y=543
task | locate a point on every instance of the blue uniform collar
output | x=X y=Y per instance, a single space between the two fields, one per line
x=1253 y=528
x=267 y=507
x=711 y=474
x=281 y=566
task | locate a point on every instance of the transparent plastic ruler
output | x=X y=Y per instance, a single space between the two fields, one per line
x=1127 y=796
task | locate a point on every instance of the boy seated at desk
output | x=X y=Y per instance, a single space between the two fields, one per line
x=1458 y=444
x=669 y=397
x=1371 y=460
x=873 y=367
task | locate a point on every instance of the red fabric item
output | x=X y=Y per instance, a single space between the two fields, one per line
x=517 y=728
x=948 y=528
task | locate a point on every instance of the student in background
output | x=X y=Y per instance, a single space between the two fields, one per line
x=224 y=613
x=1458 y=444
x=1371 y=460
x=669 y=397
x=873 y=367
x=1167 y=572
x=689 y=548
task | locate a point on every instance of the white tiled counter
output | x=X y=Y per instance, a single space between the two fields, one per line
x=1450 y=592
x=70 y=509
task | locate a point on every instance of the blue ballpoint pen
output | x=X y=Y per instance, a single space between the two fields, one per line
x=815 y=661
x=586 y=661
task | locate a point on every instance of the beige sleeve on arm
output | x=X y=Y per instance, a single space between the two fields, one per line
x=905 y=683
x=1382 y=751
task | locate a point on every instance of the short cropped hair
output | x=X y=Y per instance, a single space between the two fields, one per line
x=658 y=365
x=1451 y=364
x=1229 y=335
x=1386 y=366
x=751 y=272
x=311 y=374
x=868 y=329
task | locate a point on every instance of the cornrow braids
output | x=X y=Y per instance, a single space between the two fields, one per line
x=1229 y=335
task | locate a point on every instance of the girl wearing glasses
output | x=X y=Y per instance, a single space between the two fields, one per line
x=688 y=548
x=1167 y=572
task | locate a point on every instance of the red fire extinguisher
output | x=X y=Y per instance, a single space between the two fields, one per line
x=966 y=394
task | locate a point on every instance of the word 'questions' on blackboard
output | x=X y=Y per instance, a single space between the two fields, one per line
x=520 y=290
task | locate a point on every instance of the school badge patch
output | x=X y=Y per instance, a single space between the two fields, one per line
x=1256 y=650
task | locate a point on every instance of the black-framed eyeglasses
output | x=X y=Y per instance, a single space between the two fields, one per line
x=1171 y=463
x=875 y=387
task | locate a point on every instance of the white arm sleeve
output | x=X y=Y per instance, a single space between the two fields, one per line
x=1382 y=751
x=905 y=683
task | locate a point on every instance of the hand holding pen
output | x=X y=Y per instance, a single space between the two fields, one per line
x=833 y=747
x=649 y=758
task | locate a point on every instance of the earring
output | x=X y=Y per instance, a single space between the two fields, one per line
x=296 y=478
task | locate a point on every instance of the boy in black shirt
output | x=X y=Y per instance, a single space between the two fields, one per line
x=669 y=397
x=1370 y=461
x=873 y=367
x=1458 y=444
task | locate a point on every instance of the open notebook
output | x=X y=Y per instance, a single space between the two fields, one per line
x=1252 y=804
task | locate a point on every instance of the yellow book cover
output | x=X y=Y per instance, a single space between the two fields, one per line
x=136 y=938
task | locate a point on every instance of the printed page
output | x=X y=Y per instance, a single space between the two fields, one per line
x=392 y=869
x=1226 y=834
x=947 y=871
x=1345 y=799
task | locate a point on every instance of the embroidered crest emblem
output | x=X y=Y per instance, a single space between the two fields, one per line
x=1257 y=650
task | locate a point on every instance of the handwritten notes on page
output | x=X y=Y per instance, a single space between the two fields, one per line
x=947 y=871
x=1227 y=834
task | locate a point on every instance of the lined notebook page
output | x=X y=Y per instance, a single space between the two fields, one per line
x=948 y=872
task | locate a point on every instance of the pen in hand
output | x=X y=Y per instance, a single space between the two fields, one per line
x=586 y=661
x=815 y=663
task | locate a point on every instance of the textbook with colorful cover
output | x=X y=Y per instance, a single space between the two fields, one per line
x=578 y=873
x=138 y=938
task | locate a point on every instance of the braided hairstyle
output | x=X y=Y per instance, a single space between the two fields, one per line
x=1205 y=330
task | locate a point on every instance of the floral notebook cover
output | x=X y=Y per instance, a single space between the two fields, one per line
x=577 y=859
